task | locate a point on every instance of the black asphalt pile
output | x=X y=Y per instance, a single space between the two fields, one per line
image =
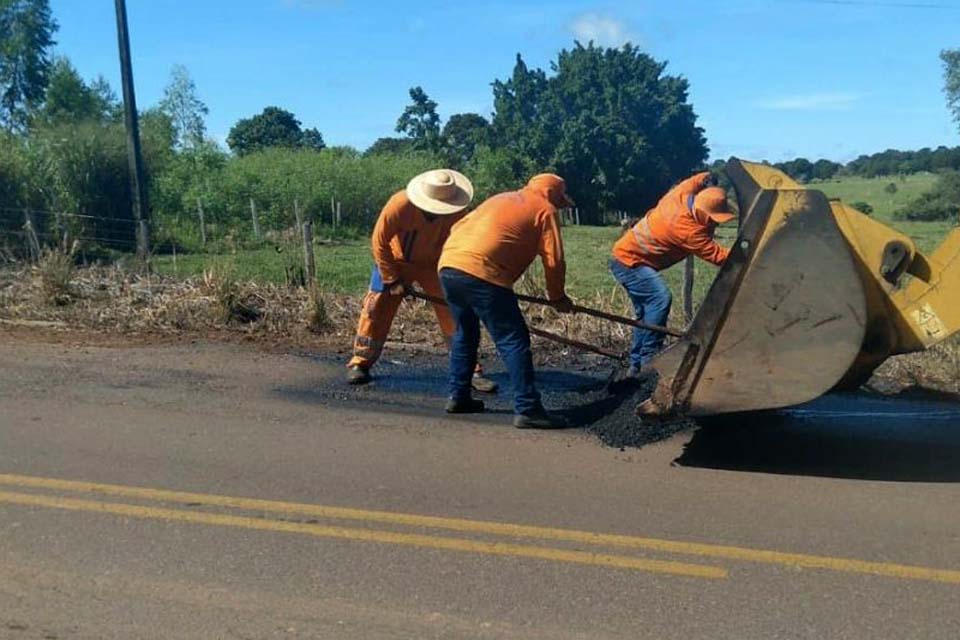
x=611 y=415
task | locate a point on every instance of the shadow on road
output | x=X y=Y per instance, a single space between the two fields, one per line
x=856 y=436
x=420 y=388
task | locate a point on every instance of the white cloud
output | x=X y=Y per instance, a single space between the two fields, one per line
x=603 y=30
x=817 y=101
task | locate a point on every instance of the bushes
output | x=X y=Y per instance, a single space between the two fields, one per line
x=80 y=170
x=940 y=203
x=929 y=207
x=277 y=178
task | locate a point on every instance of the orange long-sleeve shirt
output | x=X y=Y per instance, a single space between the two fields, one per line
x=500 y=239
x=404 y=235
x=671 y=231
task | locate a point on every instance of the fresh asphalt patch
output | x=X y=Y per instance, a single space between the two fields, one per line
x=416 y=384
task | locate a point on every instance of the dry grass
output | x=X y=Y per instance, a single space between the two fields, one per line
x=117 y=301
x=55 y=271
x=318 y=318
x=234 y=302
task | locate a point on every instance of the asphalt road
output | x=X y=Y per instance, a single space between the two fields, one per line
x=211 y=491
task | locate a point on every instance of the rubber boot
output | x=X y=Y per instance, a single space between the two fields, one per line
x=357 y=375
x=464 y=405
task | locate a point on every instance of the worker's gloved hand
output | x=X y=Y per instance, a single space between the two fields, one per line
x=397 y=289
x=563 y=305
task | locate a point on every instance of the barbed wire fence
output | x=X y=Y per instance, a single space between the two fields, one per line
x=183 y=244
x=26 y=232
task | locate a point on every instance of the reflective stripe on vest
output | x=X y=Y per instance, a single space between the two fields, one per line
x=644 y=237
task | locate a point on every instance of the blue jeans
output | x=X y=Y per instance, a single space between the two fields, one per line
x=471 y=302
x=651 y=300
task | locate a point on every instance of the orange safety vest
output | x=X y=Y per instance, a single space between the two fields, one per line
x=403 y=235
x=671 y=231
x=501 y=237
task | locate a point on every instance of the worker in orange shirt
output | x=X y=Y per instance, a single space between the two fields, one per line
x=486 y=253
x=406 y=243
x=681 y=224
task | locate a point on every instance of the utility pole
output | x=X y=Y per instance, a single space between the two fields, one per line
x=138 y=190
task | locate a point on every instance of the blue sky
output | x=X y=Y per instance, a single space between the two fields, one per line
x=770 y=79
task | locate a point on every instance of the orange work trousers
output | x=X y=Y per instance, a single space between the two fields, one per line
x=380 y=308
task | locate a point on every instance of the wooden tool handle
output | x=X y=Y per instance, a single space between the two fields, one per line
x=596 y=313
x=570 y=342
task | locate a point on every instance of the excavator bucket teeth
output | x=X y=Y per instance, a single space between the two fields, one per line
x=783 y=321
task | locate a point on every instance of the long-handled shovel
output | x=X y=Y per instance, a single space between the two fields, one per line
x=570 y=342
x=596 y=313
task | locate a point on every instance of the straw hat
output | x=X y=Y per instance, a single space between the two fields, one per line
x=441 y=192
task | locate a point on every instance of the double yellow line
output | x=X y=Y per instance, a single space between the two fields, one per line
x=460 y=525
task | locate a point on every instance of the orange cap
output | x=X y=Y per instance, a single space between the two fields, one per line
x=712 y=202
x=553 y=188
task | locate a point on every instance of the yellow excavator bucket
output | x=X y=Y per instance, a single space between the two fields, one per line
x=814 y=296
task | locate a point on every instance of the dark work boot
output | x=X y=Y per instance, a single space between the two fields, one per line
x=357 y=375
x=464 y=405
x=540 y=420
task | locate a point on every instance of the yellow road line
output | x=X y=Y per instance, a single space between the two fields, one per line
x=505 y=529
x=367 y=535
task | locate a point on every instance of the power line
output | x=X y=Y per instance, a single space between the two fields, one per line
x=874 y=4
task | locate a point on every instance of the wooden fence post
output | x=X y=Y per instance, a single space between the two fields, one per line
x=309 y=263
x=203 y=225
x=296 y=214
x=145 y=233
x=336 y=222
x=256 y=223
x=688 y=268
x=33 y=242
x=576 y=213
x=310 y=272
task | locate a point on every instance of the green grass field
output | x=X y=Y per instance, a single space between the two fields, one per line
x=871 y=190
x=345 y=268
x=927 y=235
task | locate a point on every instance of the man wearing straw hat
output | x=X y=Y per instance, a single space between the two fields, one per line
x=406 y=244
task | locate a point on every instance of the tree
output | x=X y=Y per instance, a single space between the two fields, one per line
x=462 y=134
x=493 y=171
x=610 y=121
x=186 y=110
x=951 y=80
x=520 y=119
x=70 y=99
x=825 y=169
x=312 y=139
x=26 y=36
x=420 y=122
x=389 y=146
x=273 y=127
x=800 y=169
